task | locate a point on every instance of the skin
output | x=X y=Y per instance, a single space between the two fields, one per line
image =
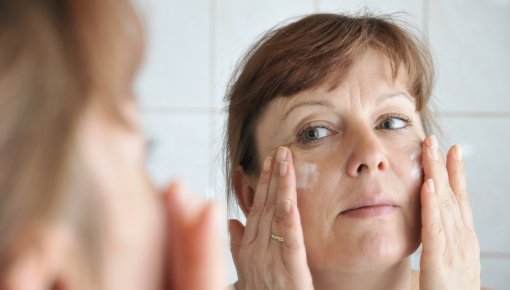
x=365 y=133
x=149 y=240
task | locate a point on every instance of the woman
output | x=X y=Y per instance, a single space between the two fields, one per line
x=327 y=157
x=77 y=209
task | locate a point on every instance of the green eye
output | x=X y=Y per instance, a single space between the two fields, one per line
x=393 y=123
x=313 y=133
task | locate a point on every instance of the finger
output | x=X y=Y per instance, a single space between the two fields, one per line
x=287 y=223
x=294 y=252
x=433 y=235
x=285 y=196
x=236 y=230
x=176 y=227
x=201 y=263
x=266 y=219
x=259 y=201
x=286 y=192
x=435 y=169
x=457 y=177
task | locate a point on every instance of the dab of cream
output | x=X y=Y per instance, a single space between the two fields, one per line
x=307 y=175
x=416 y=170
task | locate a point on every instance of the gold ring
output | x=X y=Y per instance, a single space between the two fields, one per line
x=276 y=238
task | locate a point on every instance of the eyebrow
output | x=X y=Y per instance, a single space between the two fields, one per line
x=323 y=103
x=328 y=104
x=395 y=95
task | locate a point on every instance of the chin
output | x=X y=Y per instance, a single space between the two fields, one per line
x=378 y=250
x=368 y=251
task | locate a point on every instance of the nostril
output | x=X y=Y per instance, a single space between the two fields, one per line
x=382 y=166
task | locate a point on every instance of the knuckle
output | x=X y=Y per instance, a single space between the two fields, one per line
x=256 y=209
x=270 y=207
x=445 y=203
x=264 y=178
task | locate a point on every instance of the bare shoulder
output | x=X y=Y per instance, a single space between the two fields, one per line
x=416 y=281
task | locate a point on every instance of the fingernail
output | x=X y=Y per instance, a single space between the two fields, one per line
x=433 y=147
x=283 y=168
x=287 y=206
x=458 y=152
x=430 y=186
x=267 y=163
x=281 y=154
x=433 y=142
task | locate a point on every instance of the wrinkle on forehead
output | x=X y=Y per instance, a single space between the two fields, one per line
x=368 y=78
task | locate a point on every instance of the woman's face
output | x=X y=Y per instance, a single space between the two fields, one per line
x=357 y=155
x=132 y=215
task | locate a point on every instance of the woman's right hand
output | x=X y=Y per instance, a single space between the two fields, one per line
x=263 y=262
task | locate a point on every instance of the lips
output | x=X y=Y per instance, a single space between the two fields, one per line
x=371 y=207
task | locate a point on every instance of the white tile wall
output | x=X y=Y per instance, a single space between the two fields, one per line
x=495 y=273
x=179 y=148
x=485 y=141
x=176 y=68
x=238 y=24
x=409 y=10
x=194 y=45
x=471 y=42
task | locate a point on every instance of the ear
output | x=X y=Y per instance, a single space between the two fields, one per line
x=244 y=187
x=39 y=265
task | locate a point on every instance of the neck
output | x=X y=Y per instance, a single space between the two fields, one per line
x=396 y=277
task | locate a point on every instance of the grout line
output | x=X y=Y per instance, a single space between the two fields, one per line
x=485 y=255
x=425 y=16
x=216 y=110
x=212 y=93
x=181 y=110
x=495 y=255
x=316 y=5
x=474 y=114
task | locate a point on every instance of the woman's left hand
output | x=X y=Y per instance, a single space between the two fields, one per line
x=451 y=252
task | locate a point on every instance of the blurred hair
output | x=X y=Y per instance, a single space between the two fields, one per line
x=56 y=57
x=317 y=49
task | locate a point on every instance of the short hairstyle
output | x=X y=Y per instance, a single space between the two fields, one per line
x=305 y=54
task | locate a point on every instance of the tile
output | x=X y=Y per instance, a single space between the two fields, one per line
x=485 y=143
x=237 y=24
x=413 y=10
x=178 y=149
x=470 y=41
x=175 y=72
x=495 y=273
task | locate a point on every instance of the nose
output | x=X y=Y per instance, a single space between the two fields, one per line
x=368 y=156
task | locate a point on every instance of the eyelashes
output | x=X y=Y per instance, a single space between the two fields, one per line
x=393 y=121
x=315 y=132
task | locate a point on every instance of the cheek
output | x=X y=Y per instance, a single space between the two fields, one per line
x=405 y=159
x=307 y=176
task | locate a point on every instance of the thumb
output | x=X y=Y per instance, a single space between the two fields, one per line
x=236 y=230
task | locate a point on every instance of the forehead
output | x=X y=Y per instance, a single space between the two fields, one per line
x=369 y=82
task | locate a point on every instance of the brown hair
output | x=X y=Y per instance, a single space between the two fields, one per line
x=306 y=54
x=56 y=57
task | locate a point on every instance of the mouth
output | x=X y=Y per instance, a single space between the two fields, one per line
x=370 y=209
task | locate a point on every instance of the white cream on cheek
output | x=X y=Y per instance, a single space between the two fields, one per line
x=307 y=175
x=416 y=170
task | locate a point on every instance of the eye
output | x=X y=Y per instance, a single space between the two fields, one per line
x=394 y=122
x=313 y=133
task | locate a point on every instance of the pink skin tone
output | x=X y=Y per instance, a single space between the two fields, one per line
x=361 y=220
x=149 y=240
x=357 y=164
